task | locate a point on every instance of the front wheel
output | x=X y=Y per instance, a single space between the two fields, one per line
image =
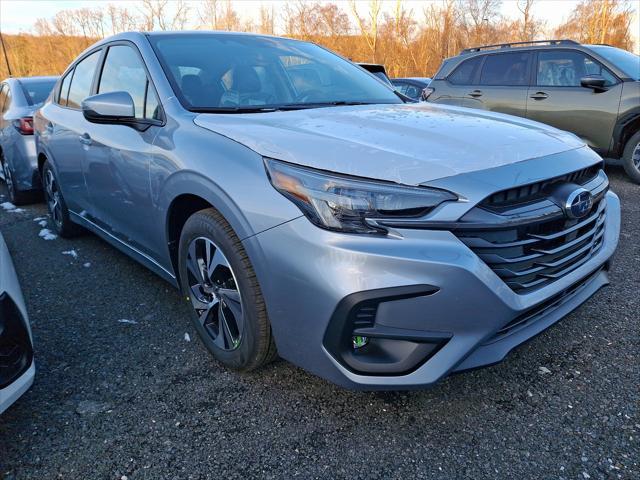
x=224 y=297
x=631 y=157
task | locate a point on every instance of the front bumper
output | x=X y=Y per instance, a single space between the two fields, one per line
x=306 y=273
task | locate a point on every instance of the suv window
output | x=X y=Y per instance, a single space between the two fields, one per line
x=466 y=72
x=565 y=68
x=82 y=79
x=64 y=89
x=506 y=69
x=123 y=71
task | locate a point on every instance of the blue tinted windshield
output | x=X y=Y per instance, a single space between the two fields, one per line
x=626 y=61
x=227 y=71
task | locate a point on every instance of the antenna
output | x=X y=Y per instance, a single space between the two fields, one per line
x=6 y=57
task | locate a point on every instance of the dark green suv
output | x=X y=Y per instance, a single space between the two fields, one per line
x=590 y=90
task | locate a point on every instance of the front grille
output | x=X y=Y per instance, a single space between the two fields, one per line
x=541 y=310
x=530 y=256
x=535 y=191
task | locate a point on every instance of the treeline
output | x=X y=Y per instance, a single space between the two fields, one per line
x=409 y=42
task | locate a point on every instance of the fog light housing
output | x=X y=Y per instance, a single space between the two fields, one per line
x=359 y=341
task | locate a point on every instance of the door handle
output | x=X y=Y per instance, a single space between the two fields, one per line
x=475 y=93
x=539 y=96
x=85 y=139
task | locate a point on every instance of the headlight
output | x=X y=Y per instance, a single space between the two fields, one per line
x=344 y=203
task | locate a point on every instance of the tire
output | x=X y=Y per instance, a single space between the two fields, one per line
x=631 y=157
x=223 y=293
x=56 y=205
x=15 y=196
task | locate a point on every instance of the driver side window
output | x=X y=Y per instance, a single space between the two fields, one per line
x=123 y=71
x=565 y=68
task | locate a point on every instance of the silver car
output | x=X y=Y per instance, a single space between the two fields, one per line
x=303 y=209
x=17 y=368
x=19 y=98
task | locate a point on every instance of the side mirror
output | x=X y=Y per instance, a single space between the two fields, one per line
x=112 y=107
x=595 y=82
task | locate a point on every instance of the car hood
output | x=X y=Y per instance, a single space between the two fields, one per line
x=409 y=144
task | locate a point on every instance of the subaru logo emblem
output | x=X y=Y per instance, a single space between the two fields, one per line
x=579 y=203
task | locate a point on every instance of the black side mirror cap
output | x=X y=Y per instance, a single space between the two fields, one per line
x=595 y=82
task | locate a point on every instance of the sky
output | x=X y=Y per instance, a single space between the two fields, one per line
x=20 y=15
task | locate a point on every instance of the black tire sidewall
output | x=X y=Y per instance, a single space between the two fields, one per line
x=202 y=225
x=627 y=157
x=67 y=228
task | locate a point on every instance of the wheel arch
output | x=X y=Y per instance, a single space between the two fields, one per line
x=188 y=193
x=625 y=128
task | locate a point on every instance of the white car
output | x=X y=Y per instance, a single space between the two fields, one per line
x=17 y=368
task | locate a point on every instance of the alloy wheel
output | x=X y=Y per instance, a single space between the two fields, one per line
x=635 y=156
x=214 y=293
x=8 y=179
x=53 y=197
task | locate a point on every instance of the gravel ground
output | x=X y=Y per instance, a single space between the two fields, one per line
x=125 y=389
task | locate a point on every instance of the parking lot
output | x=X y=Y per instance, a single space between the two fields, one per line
x=124 y=388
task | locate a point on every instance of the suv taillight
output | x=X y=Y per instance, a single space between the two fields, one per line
x=24 y=125
x=426 y=92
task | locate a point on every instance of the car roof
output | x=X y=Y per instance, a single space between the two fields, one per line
x=36 y=79
x=412 y=79
x=450 y=64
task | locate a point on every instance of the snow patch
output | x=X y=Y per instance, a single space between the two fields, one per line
x=126 y=320
x=73 y=253
x=187 y=338
x=86 y=265
x=8 y=206
x=39 y=219
x=42 y=223
x=47 y=234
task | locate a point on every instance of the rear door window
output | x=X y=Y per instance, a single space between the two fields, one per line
x=7 y=99
x=3 y=96
x=82 y=80
x=565 y=68
x=506 y=69
x=466 y=72
x=64 y=89
x=124 y=71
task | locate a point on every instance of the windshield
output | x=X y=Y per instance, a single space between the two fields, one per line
x=626 y=61
x=217 y=72
x=37 y=91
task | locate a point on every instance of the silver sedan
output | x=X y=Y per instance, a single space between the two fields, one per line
x=19 y=98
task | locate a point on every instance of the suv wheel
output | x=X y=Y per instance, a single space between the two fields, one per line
x=226 y=304
x=62 y=224
x=631 y=157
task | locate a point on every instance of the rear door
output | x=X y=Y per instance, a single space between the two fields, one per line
x=116 y=164
x=503 y=83
x=558 y=99
x=65 y=128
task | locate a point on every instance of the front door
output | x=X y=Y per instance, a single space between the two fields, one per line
x=558 y=99
x=116 y=166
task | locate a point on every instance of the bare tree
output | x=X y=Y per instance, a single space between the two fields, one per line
x=600 y=21
x=266 y=21
x=369 y=27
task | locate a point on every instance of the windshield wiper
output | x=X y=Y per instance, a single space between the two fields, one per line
x=275 y=108
x=256 y=109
